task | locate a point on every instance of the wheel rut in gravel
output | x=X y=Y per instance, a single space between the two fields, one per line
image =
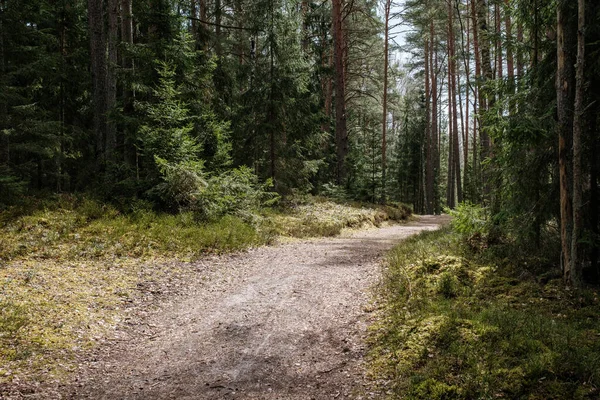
x=280 y=322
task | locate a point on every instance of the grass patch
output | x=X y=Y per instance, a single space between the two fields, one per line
x=322 y=217
x=456 y=325
x=70 y=267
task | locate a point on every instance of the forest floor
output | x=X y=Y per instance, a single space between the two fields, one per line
x=279 y=322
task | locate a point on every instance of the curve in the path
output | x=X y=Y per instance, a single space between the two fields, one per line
x=282 y=322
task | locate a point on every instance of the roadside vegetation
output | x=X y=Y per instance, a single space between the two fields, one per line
x=72 y=268
x=469 y=313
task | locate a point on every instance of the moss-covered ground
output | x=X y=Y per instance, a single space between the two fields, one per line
x=462 y=324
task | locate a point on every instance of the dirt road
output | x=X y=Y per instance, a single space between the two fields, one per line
x=281 y=322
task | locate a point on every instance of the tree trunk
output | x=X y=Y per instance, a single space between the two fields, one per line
x=127 y=65
x=435 y=137
x=562 y=97
x=498 y=41
x=388 y=5
x=466 y=119
x=477 y=100
x=4 y=138
x=341 y=133
x=454 y=117
x=486 y=71
x=450 y=189
x=98 y=69
x=574 y=275
x=428 y=134
x=111 y=78
x=510 y=61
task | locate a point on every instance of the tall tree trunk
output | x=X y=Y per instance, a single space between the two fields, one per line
x=486 y=99
x=477 y=101
x=111 y=78
x=454 y=117
x=486 y=71
x=98 y=67
x=467 y=105
x=435 y=137
x=388 y=6
x=451 y=188
x=4 y=138
x=127 y=65
x=574 y=275
x=218 y=48
x=428 y=134
x=498 y=41
x=341 y=133
x=563 y=83
x=271 y=123
x=510 y=60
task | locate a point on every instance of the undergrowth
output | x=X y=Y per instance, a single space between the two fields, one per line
x=460 y=324
x=70 y=267
x=322 y=217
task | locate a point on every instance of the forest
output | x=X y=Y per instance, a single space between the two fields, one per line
x=213 y=112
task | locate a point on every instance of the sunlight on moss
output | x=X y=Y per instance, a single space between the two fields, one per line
x=454 y=327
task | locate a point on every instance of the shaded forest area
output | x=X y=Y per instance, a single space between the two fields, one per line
x=192 y=104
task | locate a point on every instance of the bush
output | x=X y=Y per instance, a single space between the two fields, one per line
x=237 y=192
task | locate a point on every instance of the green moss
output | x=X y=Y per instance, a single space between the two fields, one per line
x=455 y=326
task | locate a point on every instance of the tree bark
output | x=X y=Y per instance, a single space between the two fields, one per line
x=128 y=66
x=341 y=133
x=388 y=6
x=428 y=134
x=454 y=117
x=98 y=69
x=450 y=188
x=477 y=100
x=498 y=41
x=111 y=78
x=574 y=276
x=435 y=137
x=467 y=105
x=4 y=138
x=562 y=97
x=486 y=71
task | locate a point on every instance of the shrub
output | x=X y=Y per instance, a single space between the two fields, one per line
x=236 y=192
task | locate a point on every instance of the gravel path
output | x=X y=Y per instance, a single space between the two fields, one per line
x=282 y=322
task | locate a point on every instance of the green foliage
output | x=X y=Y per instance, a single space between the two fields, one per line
x=166 y=135
x=468 y=219
x=458 y=325
x=11 y=187
x=182 y=183
x=234 y=192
